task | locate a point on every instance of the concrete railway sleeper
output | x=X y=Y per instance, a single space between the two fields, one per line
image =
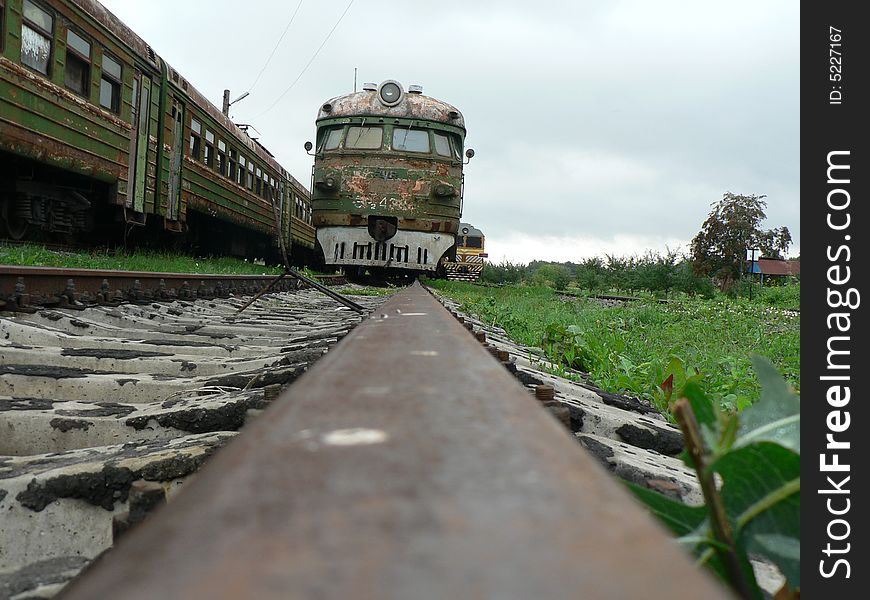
x=406 y=463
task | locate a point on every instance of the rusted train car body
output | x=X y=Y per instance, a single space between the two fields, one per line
x=387 y=180
x=98 y=133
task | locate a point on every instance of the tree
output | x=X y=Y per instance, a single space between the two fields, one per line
x=732 y=227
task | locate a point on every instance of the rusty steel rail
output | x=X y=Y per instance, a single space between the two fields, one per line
x=406 y=464
x=22 y=287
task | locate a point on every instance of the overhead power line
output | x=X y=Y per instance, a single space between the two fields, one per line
x=268 y=60
x=308 y=64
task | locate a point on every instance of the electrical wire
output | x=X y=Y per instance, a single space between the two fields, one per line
x=268 y=60
x=308 y=64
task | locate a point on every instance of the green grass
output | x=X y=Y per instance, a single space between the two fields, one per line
x=630 y=348
x=152 y=261
x=368 y=291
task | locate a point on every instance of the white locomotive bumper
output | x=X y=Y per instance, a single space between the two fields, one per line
x=414 y=250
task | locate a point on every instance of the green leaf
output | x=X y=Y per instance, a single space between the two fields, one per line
x=680 y=518
x=776 y=416
x=761 y=493
x=702 y=406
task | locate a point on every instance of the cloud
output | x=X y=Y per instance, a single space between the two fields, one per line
x=519 y=247
x=590 y=119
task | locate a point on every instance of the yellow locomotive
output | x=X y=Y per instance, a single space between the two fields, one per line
x=470 y=255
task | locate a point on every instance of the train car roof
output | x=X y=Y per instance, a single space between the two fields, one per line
x=472 y=230
x=128 y=37
x=413 y=105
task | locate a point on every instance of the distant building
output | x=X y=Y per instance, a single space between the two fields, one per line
x=774 y=267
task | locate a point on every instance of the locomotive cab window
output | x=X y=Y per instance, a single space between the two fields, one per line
x=474 y=242
x=37 y=32
x=410 y=140
x=110 y=84
x=364 y=137
x=195 y=139
x=442 y=144
x=332 y=138
x=457 y=146
x=77 y=73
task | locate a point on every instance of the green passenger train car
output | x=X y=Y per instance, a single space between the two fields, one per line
x=99 y=135
x=387 y=182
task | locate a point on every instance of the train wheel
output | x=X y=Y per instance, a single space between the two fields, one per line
x=12 y=225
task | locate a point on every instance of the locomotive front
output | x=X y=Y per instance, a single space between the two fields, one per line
x=387 y=179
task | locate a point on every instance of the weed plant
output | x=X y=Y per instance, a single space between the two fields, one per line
x=633 y=347
x=152 y=261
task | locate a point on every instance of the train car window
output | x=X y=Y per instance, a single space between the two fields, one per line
x=474 y=242
x=251 y=176
x=208 y=157
x=259 y=182
x=234 y=160
x=110 y=84
x=222 y=157
x=410 y=140
x=364 y=137
x=442 y=144
x=332 y=139
x=195 y=140
x=37 y=32
x=77 y=73
x=459 y=243
x=242 y=171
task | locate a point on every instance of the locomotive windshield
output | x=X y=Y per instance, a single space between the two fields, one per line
x=364 y=137
x=411 y=140
x=332 y=138
x=442 y=144
x=404 y=139
x=474 y=242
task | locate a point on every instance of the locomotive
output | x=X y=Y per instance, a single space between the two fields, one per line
x=99 y=136
x=387 y=181
x=470 y=255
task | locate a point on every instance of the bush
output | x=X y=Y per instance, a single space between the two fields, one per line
x=505 y=272
x=551 y=275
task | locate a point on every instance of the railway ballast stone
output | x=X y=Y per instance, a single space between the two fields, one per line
x=62 y=504
x=95 y=400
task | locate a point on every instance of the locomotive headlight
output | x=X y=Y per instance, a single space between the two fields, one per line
x=443 y=189
x=390 y=93
x=328 y=183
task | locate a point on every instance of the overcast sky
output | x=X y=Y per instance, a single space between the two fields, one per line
x=599 y=126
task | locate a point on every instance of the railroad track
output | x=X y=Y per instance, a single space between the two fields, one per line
x=23 y=288
x=148 y=392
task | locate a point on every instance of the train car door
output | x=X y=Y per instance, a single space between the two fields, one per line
x=174 y=207
x=139 y=141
